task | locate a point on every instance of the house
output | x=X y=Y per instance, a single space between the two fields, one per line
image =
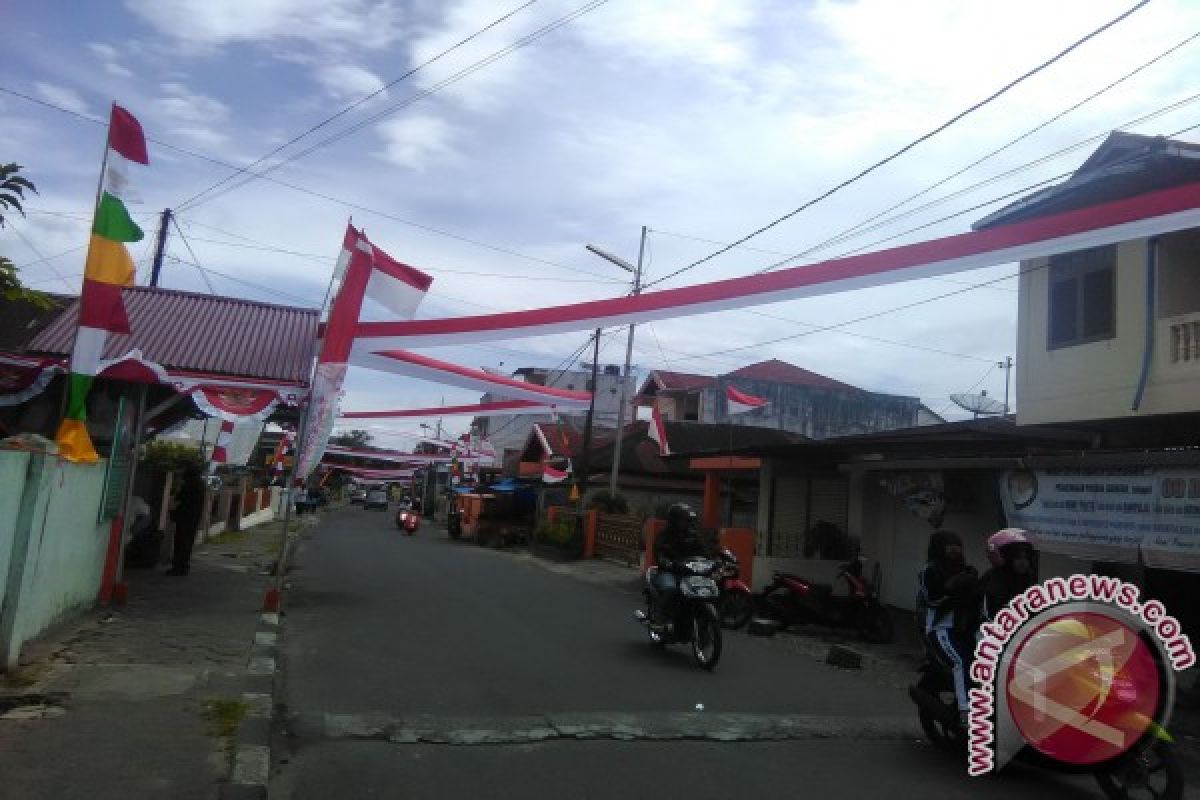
x=801 y=401
x=1113 y=332
x=509 y=434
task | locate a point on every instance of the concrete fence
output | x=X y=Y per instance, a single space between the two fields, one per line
x=52 y=545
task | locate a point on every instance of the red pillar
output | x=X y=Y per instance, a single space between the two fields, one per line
x=712 y=500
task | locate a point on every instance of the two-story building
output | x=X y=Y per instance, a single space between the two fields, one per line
x=801 y=401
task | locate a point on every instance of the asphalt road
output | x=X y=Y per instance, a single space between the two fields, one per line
x=423 y=667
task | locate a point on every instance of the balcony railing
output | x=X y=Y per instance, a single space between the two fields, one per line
x=1183 y=340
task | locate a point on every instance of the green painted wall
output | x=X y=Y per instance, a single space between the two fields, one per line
x=62 y=547
x=13 y=466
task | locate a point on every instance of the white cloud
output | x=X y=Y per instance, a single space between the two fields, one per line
x=711 y=33
x=213 y=23
x=417 y=141
x=347 y=82
x=198 y=117
x=110 y=58
x=61 y=96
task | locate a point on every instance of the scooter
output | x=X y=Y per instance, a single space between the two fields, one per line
x=736 y=605
x=408 y=521
x=792 y=600
x=1148 y=770
x=695 y=621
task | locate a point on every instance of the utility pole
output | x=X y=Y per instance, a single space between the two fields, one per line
x=585 y=466
x=1006 y=365
x=160 y=246
x=637 y=289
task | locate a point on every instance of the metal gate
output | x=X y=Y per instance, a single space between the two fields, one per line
x=619 y=537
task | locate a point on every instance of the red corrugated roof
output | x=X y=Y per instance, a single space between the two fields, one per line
x=776 y=371
x=683 y=380
x=203 y=333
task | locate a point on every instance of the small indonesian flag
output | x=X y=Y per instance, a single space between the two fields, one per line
x=552 y=475
x=108 y=267
x=220 y=453
x=741 y=403
x=658 y=433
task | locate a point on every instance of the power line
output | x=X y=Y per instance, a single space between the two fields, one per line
x=922 y=138
x=315 y=193
x=1031 y=131
x=466 y=72
x=195 y=258
x=914 y=304
x=42 y=259
x=862 y=227
x=358 y=103
x=328 y=260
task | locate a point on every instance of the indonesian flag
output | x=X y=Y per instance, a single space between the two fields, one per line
x=365 y=271
x=108 y=267
x=220 y=453
x=552 y=475
x=658 y=433
x=740 y=402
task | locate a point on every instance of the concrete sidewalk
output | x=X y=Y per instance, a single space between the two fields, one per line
x=143 y=701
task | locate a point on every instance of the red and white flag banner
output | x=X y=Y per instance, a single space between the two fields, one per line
x=495 y=409
x=413 y=365
x=394 y=455
x=1149 y=214
x=741 y=403
x=220 y=453
x=364 y=271
x=658 y=433
x=552 y=475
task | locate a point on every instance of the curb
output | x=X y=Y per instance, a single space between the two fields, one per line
x=251 y=770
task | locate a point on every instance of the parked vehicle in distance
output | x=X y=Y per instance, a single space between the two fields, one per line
x=376 y=498
x=407 y=520
x=792 y=600
x=736 y=605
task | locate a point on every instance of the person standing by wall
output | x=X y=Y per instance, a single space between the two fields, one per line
x=187 y=518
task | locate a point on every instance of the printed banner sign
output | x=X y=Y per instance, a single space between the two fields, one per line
x=1109 y=513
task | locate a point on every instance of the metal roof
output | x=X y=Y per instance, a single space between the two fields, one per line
x=209 y=334
x=776 y=371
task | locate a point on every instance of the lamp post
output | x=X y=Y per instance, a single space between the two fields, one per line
x=637 y=288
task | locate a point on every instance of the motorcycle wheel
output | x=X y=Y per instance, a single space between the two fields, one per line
x=1153 y=773
x=776 y=604
x=736 y=609
x=936 y=729
x=877 y=625
x=706 y=637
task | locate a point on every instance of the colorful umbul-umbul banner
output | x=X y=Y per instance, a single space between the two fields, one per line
x=108 y=268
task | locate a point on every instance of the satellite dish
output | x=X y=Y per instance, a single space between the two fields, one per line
x=978 y=403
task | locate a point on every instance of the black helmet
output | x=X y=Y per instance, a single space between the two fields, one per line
x=680 y=516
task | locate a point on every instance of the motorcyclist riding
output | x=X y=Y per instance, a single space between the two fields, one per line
x=1012 y=555
x=679 y=540
x=948 y=592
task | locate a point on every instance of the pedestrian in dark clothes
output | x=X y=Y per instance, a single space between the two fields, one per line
x=187 y=518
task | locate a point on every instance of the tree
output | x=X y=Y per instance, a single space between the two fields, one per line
x=356 y=439
x=12 y=196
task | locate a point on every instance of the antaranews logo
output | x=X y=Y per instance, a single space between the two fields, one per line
x=1078 y=668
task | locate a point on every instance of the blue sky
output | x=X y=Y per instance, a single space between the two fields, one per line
x=705 y=119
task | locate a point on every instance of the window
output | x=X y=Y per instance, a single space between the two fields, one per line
x=1082 y=297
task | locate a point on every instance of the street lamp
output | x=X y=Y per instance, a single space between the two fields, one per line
x=637 y=288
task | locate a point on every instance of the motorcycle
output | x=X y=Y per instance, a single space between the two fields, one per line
x=696 y=621
x=791 y=600
x=736 y=605
x=1150 y=769
x=408 y=521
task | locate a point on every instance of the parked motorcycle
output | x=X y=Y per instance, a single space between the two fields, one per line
x=736 y=605
x=408 y=521
x=792 y=600
x=1149 y=770
x=696 y=621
